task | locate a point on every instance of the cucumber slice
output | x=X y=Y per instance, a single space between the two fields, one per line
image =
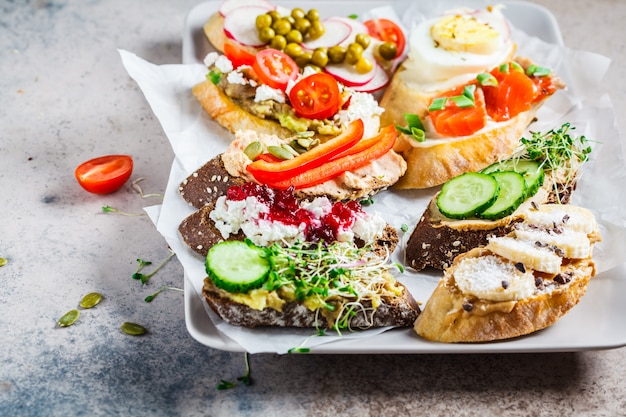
x=467 y=195
x=512 y=193
x=236 y=266
x=532 y=172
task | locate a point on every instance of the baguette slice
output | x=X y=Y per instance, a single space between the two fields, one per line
x=436 y=160
x=400 y=311
x=489 y=294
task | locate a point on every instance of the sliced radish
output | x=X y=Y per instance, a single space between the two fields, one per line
x=240 y=24
x=355 y=26
x=335 y=32
x=380 y=80
x=229 y=5
x=348 y=75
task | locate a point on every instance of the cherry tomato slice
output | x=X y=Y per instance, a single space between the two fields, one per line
x=315 y=96
x=238 y=55
x=275 y=68
x=387 y=31
x=105 y=174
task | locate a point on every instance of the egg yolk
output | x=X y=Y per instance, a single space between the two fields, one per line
x=460 y=33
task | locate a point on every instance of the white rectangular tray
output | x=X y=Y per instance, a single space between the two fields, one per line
x=596 y=323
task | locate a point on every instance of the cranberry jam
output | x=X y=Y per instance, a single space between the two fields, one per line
x=285 y=208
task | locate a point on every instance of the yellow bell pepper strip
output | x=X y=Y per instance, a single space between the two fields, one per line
x=265 y=172
x=380 y=145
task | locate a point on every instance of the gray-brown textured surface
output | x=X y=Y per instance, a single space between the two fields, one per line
x=65 y=98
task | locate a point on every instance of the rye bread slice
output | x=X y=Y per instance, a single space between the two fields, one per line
x=401 y=311
x=208 y=183
x=435 y=244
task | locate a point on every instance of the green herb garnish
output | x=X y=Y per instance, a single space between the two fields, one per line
x=487 y=79
x=214 y=76
x=537 y=71
x=414 y=128
x=145 y=277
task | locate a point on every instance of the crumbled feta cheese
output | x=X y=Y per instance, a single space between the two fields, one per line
x=210 y=59
x=362 y=106
x=235 y=77
x=229 y=215
x=265 y=232
x=265 y=92
x=223 y=64
x=320 y=206
x=369 y=227
x=305 y=73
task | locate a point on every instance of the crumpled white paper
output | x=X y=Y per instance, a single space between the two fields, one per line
x=195 y=138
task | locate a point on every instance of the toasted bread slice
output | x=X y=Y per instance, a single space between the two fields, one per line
x=506 y=290
x=398 y=311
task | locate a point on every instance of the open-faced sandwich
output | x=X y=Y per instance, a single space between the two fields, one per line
x=516 y=284
x=273 y=259
x=473 y=207
x=462 y=98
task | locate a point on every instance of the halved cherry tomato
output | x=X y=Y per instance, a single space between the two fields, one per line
x=460 y=121
x=315 y=96
x=275 y=68
x=238 y=55
x=105 y=174
x=387 y=31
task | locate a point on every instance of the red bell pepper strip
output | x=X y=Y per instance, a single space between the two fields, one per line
x=380 y=145
x=266 y=172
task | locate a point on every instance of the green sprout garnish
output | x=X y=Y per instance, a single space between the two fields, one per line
x=151 y=297
x=109 y=209
x=244 y=379
x=136 y=187
x=145 y=277
x=214 y=76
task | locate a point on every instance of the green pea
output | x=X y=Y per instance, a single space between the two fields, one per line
x=263 y=21
x=313 y=14
x=304 y=59
x=387 y=50
x=274 y=15
x=363 y=39
x=302 y=25
x=294 y=36
x=336 y=54
x=298 y=13
x=316 y=30
x=266 y=34
x=364 y=65
x=282 y=27
x=293 y=50
x=278 y=42
x=354 y=53
x=320 y=57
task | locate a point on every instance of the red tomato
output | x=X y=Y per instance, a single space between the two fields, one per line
x=275 y=68
x=315 y=96
x=105 y=174
x=238 y=55
x=387 y=31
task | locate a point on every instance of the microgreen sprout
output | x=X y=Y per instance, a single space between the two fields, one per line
x=558 y=151
x=404 y=227
x=109 y=209
x=244 y=379
x=136 y=187
x=145 y=277
x=149 y=298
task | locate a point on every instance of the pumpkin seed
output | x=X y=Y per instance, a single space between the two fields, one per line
x=253 y=150
x=69 y=318
x=297 y=147
x=279 y=152
x=3 y=261
x=91 y=300
x=133 y=329
x=289 y=149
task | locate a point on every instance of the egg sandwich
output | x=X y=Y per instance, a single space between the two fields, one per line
x=461 y=98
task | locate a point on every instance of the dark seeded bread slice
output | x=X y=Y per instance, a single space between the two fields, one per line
x=401 y=311
x=209 y=182
x=200 y=234
x=437 y=240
